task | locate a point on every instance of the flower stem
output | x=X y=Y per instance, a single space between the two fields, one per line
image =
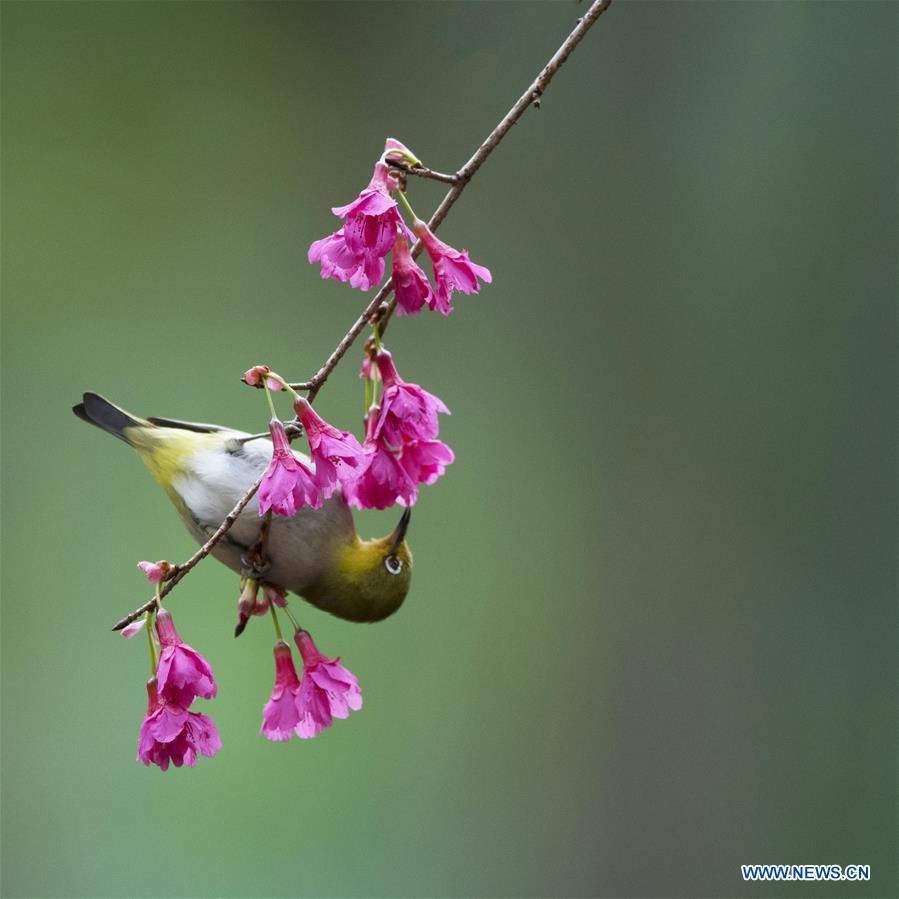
x=149 y=629
x=268 y=396
x=296 y=624
x=277 y=623
x=402 y=195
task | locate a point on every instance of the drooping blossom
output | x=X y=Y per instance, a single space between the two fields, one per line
x=356 y=252
x=171 y=734
x=280 y=715
x=337 y=454
x=256 y=377
x=156 y=571
x=339 y=262
x=375 y=201
x=426 y=460
x=182 y=673
x=410 y=283
x=382 y=480
x=327 y=690
x=288 y=484
x=407 y=411
x=452 y=270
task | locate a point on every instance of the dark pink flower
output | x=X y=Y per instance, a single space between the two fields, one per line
x=356 y=252
x=182 y=674
x=288 y=484
x=410 y=283
x=426 y=460
x=452 y=269
x=170 y=733
x=375 y=200
x=327 y=689
x=407 y=411
x=382 y=480
x=155 y=571
x=256 y=376
x=337 y=454
x=280 y=715
x=338 y=261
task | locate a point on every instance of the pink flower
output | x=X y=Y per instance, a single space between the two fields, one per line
x=341 y=263
x=336 y=454
x=156 y=571
x=280 y=715
x=410 y=283
x=170 y=733
x=327 y=689
x=255 y=377
x=182 y=674
x=288 y=484
x=356 y=252
x=375 y=201
x=407 y=411
x=382 y=480
x=452 y=269
x=426 y=460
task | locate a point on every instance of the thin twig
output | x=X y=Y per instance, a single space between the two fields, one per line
x=379 y=309
x=201 y=553
x=422 y=171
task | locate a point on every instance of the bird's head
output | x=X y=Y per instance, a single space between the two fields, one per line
x=369 y=579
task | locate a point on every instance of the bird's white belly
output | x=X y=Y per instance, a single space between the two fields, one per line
x=298 y=547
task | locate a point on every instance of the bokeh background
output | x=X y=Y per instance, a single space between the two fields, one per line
x=652 y=632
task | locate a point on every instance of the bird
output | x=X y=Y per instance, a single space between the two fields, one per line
x=317 y=553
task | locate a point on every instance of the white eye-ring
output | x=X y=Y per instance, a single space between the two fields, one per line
x=393 y=564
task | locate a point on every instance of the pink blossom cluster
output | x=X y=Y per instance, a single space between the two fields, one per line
x=373 y=226
x=401 y=446
x=307 y=706
x=170 y=732
x=400 y=452
x=288 y=483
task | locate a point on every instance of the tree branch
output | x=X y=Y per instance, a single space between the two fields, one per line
x=201 y=553
x=380 y=308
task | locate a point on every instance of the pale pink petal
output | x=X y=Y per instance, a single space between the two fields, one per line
x=134 y=628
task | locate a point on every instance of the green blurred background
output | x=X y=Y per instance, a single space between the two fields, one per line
x=652 y=631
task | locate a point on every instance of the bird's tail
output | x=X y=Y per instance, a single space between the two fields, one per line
x=97 y=410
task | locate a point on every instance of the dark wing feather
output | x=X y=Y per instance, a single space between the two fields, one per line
x=186 y=425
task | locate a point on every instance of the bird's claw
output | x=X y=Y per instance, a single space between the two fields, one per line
x=256 y=570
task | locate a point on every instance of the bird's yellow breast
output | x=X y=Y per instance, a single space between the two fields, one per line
x=167 y=452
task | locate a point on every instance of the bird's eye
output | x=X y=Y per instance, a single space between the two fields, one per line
x=393 y=564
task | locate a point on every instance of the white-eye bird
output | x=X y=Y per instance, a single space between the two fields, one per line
x=206 y=469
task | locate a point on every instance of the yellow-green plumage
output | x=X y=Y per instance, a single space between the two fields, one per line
x=205 y=469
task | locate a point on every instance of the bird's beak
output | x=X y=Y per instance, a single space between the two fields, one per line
x=399 y=533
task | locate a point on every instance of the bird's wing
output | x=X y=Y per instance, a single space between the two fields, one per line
x=196 y=426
